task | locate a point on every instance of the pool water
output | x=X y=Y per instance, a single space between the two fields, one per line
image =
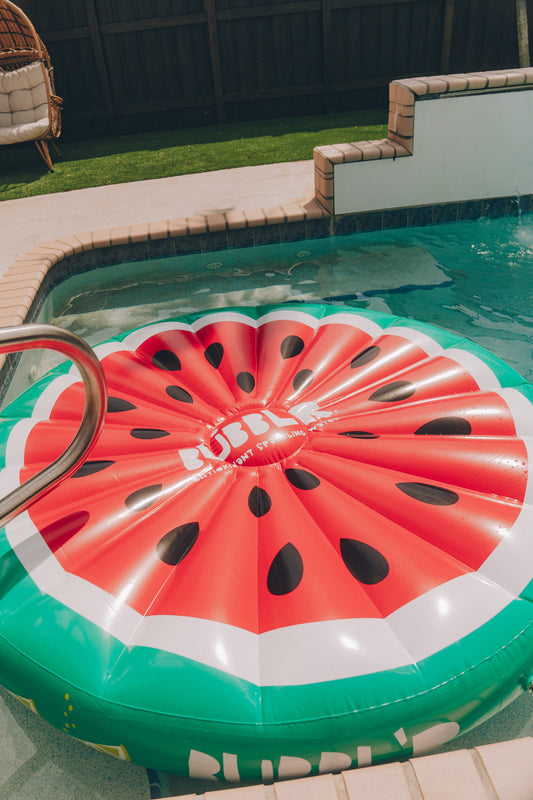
x=474 y=278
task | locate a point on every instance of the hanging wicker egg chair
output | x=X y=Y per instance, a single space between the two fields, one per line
x=30 y=110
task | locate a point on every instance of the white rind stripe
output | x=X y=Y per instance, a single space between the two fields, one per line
x=45 y=403
x=455 y=609
x=9 y=480
x=510 y=564
x=425 y=342
x=481 y=372
x=299 y=654
x=215 y=644
x=223 y=316
x=138 y=337
x=291 y=316
x=329 y=650
x=110 y=348
x=521 y=410
x=16 y=443
x=354 y=320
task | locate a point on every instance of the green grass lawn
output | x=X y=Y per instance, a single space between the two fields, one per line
x=161 y=154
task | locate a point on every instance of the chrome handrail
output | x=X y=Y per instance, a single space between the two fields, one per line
x=26 y=337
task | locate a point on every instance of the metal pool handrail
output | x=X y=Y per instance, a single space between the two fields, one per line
x=26 y=337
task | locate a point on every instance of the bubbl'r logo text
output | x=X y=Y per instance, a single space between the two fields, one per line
x=255 y=436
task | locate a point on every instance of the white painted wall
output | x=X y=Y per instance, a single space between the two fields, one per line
x=466 y=147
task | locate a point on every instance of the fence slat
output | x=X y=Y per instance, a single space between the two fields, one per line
x=98 y=51
x=327 y=42
x=522 y=33
x=214 y=50
x=67 y=34
x=447 y=36
x=154 y=22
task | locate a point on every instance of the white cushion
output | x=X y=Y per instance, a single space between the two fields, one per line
x=23 y=133
x=27 y=77
x=23 y=104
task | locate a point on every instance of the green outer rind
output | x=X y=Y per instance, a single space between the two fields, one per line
x=193 y=707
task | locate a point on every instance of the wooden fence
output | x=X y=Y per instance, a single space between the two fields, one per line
x=137 y=64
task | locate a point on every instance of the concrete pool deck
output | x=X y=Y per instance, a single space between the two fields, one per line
x=28 y=222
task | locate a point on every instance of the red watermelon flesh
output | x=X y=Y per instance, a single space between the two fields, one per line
x=379 y=553
x=481 y=414
x=430 y=379
x=331 y=346
x=372 y=494
x=381 y=359
x=307 y=356
x=466 y=525
x=235 y=347
x=479 y=465
x=177 y=356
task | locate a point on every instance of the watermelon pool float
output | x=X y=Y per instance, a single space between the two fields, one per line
x=302 y=542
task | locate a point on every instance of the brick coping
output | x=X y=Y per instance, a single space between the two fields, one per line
x=20 y=284
x=500 y=771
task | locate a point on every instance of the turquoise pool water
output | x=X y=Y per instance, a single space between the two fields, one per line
x=475 y=278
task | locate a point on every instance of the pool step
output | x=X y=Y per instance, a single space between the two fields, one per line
x=501 y=771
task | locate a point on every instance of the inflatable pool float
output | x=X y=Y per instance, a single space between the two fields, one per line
x=302 y=542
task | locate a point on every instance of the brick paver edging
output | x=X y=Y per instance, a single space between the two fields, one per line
x=501 y=771
x=20 y=285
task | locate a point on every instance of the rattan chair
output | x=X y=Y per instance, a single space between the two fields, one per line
x=30 y=110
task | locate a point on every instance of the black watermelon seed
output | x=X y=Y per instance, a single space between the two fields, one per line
x=446 y=426
x=148 y=433
x=427 y=493
x=365 y=563
x=91 y=467
x=286 y=571
x=167 y=360
x=60 y=531
x=302 y=378
x=302 y=479
x=144 y=497
x=259 y=502
x=394 y=392
x=214 y=354
x=175 y=544
x=246 y=382
x=178 y=393
x=291 y=346
x=117 y=404
x=360 y=434
x=365 y=357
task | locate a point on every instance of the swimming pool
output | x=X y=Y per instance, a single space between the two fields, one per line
x=471 y=277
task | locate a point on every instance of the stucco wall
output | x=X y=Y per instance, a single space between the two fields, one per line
x=465 y=147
